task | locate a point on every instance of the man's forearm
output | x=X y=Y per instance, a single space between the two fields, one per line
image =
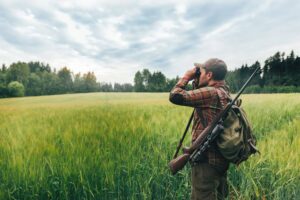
x=177 y=93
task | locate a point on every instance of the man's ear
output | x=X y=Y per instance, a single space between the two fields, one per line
x=209 y=75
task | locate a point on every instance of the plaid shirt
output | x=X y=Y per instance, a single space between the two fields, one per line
x=207 y=101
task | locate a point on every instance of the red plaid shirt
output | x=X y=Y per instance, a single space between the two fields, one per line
x=209 y=101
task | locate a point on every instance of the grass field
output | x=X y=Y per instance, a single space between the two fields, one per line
x=117 y=146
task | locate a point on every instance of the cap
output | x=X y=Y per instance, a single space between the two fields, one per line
x=213 y=64
x=216 y=66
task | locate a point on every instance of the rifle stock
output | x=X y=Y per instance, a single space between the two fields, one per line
x=178 y=163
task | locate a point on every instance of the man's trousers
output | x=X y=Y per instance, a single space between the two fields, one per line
x=208 y=183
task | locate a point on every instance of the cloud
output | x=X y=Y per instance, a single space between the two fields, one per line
x=116 y=39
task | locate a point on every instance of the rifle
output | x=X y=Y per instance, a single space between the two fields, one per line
x=208 y=135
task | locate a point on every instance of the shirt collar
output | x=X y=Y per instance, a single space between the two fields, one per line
x=218 y=84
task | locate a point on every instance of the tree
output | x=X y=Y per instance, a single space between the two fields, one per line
x=2 y=78
x=90 y=82
x=139 y=82
x=118 y=87
x=126 y=87
x=232 y=80
x=18 y=72
x=37 y=67
x=146 y=74
x=170 y=83
x=34 y=86
x=78 y=83
x=157 y=82
x=65 y=80
x=290 y=77
x=296 y=76
x=273 y=70
x=50 y=83
x=106 y=87
x=3 y=91
x=4 y=68
x=256 y=79
x=16 y=89
x=147 y=82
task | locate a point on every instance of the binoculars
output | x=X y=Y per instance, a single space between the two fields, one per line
x=197 y=77
x=198 y=73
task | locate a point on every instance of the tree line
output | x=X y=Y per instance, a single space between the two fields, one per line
x=145 y=81
x=280 y=74
x=36 y=78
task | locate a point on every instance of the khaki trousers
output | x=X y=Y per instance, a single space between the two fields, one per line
x=208 y=183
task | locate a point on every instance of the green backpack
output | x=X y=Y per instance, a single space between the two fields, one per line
x=237 y=142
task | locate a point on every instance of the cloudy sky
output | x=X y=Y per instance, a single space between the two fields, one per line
x=116 y=39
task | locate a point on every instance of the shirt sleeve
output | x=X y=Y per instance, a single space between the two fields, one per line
x=195 y=98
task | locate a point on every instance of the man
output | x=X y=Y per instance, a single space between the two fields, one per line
x=209 y=175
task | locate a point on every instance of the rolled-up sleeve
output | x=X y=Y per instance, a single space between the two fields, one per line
x=194 y=98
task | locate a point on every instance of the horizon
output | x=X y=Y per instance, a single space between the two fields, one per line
x=115 y=41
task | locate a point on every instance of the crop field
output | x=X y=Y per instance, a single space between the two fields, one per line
x=117 y=146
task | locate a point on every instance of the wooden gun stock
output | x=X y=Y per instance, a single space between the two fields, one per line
x=178 y=163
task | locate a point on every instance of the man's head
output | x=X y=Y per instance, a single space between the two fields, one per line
x=213 y=69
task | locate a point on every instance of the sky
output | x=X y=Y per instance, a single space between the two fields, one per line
x=115 y=39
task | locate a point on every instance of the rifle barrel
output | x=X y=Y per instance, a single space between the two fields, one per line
x=257 y=70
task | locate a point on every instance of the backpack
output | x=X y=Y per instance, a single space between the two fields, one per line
x=237 y=142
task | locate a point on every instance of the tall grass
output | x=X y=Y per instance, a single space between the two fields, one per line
x=117 y=146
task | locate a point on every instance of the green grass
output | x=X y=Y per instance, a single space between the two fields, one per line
x=117 y=146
